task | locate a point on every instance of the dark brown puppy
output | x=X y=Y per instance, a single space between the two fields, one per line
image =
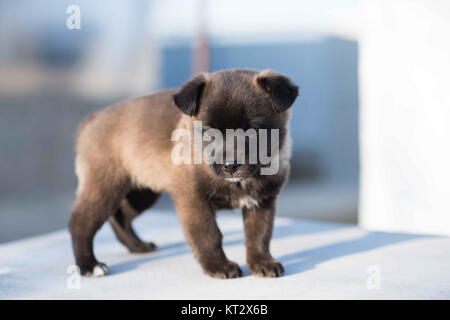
x=123 y=163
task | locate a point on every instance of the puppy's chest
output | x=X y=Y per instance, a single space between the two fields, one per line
x=235 y=197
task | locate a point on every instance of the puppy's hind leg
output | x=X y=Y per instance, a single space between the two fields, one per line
x=93 y=206
x=135 y=202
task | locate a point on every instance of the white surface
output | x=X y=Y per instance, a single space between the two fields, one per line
x=321 y=261
x=405 y=116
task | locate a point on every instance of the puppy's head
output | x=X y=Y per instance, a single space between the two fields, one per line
x=239 y=99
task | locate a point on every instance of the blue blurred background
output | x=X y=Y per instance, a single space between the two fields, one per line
x=52 y=76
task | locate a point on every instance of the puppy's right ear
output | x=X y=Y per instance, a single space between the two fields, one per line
x=188 y=98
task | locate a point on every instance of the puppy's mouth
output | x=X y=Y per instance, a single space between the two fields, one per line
x=235 y=173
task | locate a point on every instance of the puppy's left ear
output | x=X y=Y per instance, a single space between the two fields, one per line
x=188 y=98
x=281 y=89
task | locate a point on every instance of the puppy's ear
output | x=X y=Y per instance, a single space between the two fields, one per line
x=188 y=98
x=281 y=89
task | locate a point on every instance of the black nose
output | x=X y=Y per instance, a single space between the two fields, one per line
x=231 y=167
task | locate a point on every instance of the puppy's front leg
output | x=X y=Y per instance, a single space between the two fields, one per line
x=258 y=224
x=205 y=238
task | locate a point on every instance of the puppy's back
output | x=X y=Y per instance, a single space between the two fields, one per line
x=127 y=134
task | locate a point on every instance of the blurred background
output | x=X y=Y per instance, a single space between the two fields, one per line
x=52 y=74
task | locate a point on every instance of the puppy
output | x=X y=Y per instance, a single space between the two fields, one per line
x=124 y=161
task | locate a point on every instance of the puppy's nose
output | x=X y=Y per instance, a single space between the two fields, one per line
x=231 y=167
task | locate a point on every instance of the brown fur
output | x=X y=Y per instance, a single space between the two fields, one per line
x=123 y=164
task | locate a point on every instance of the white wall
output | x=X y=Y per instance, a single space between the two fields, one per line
x=405 y=116
x=237 y=21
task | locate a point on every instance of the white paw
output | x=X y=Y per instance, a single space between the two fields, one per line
x=100 y=270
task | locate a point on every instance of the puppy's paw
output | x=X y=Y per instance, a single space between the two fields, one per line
x=266 y=268
x=223 y=269
x=143 y=247
x=99 y=270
